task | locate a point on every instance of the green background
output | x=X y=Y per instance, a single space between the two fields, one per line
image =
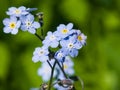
x=98 y=63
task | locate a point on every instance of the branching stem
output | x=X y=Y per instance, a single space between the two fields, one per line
x=51 y=77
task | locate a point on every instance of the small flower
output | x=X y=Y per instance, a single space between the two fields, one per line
x=11 y=25
x=17 y=11
x=81 y=38
x=60 y=55
x=28 y=24
x=67 y=66
x=51 y=40
x=40 y=54
x=45 y=71
x=64 y=31
x=70 y=46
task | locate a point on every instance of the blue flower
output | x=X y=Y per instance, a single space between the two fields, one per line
x=67 y=66
x=40 y=54
x=51 y=40
x=45 y=71
x=64 y=30
x=17 y=11
x=11 y=25
x=70 y=46
x=60 y=55
x=81 y=38
x=28 y=24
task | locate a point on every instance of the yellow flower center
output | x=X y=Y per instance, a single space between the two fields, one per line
x=12 y=25
x=79 y=38
x=17 y=11
x=65 y=66
x=64 y=31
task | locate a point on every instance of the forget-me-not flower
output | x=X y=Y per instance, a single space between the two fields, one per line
x=67 y=66
x=40 y=54
x=11 y=25
x=60 y=55
x=13 y=11
x=51 y=40
x=81 y=38
x=70 y=46
x=28 y=24
x=64 y=30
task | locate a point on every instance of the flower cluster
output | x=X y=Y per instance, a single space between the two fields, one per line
x=20 y=18
x=67 y=39
x=56 y=63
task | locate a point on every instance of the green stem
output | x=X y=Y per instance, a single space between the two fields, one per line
x=61 y=68
x=38 y=37
x=51 y=77
x=49 y=64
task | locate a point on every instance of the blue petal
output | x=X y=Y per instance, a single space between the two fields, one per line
x=54 y=44
x=69 y=26
x=6 y=21
x=36 y=25
x=22 y=8
x=32 y=30
x=6 y=29
x=14 y=31
x=23 y=28
x=13 y=19
x=30 y=17
x=12 y=8
x=73 y=52
x=18 y=24
x=35 y=59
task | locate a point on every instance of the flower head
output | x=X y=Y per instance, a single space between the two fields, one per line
x=70 y=46
x=40 y=54
x=29 y=24
x=51 y=40
x=60 y=55
x=81 y=38
x=11 y=25
x=64 y=30
x=13 y=11
x=67 y=66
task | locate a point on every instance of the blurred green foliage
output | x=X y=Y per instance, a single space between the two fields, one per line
x=97 y=63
